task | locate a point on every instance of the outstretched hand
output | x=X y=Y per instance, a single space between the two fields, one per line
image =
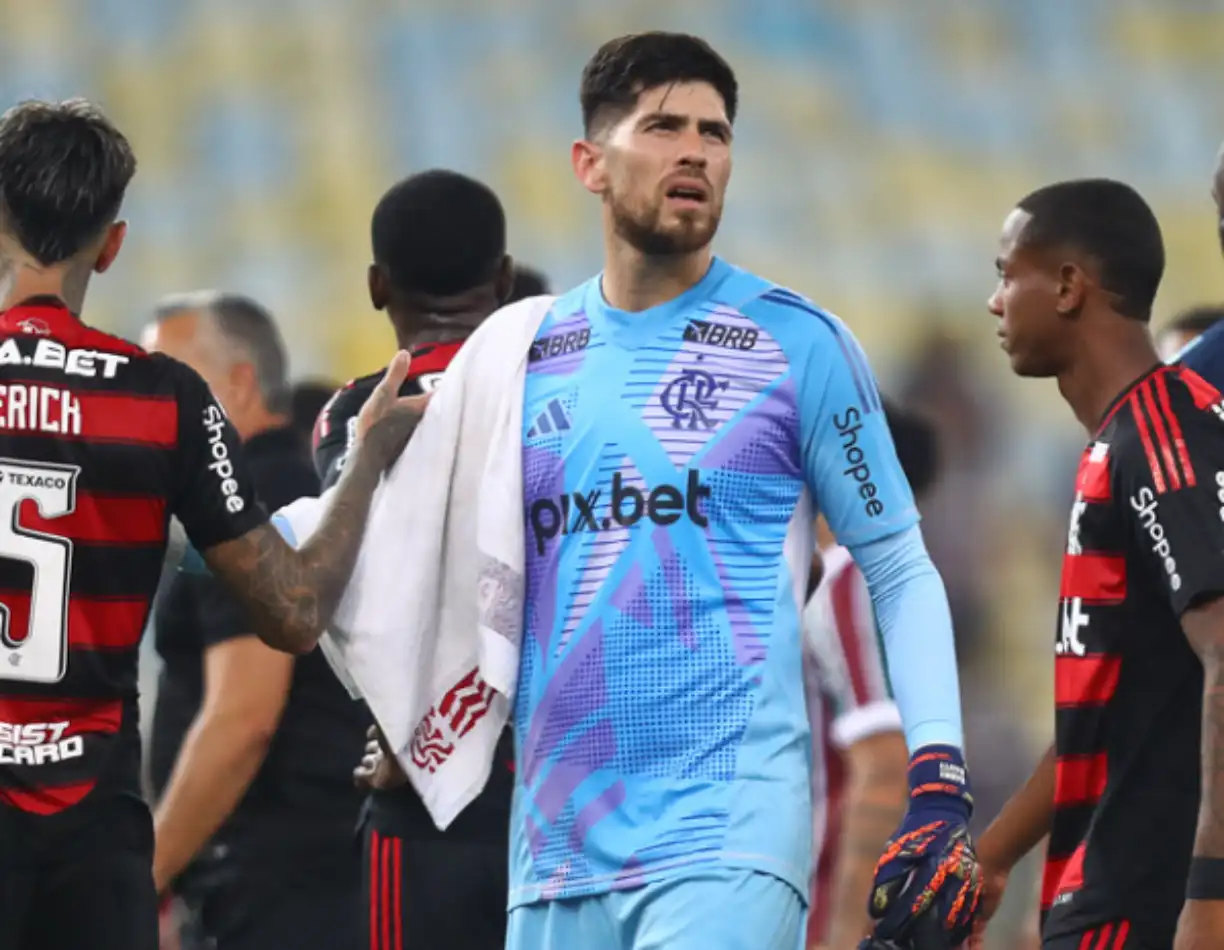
x=387 y=420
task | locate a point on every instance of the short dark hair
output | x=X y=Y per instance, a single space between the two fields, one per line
x=917 y=444
x=623 y=68
x=1195 y=320
x=1110 y=222
x=64 y=169
x=439 y=233
x=528 y=282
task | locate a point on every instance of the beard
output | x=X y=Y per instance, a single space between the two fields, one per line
x=642 y=230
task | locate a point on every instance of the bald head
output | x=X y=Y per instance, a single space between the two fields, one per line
x=234 y=344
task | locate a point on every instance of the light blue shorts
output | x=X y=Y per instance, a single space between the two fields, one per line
x=718 y=909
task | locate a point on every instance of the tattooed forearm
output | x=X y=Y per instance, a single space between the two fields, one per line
x=292 y=595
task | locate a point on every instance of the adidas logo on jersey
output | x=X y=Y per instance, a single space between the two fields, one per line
x=552 y=419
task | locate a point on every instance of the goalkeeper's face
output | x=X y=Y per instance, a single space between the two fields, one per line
x=662 y=168
x=1036 y=300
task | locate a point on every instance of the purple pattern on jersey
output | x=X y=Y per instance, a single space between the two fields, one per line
x=703 y=386
x=543 y=477
x=678 y=594
x=633 y=599
x=761 y=442
x=576 y=690
x=566 y=360
x=600 y=549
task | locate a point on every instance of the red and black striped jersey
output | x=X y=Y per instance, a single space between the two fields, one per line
x=336 y=427
x=100 y=443
x=1145 y=543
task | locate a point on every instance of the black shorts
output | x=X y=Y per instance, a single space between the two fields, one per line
x=433 y=893
x=1111 y=936
x=81 y=880
x=269 y=889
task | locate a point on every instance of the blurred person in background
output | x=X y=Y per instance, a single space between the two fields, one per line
x=1131 y=793
x=860 y=795
x=1173 y=339
x=251 y=747
x=440 y=268
x=528 y=282
x=306 y=400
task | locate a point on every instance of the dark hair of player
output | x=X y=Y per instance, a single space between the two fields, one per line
x=1195 y=320
x=528 y=282
x=64 y=169
x=917 y=446
x=439 y=233
x=623 y=68
x=1110 y=223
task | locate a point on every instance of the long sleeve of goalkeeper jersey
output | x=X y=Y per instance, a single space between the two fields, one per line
x=915 y=624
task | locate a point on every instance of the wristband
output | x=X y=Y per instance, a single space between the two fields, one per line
x=937 y=770
x=1206 y=879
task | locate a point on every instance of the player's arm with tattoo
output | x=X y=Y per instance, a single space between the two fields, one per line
x=875 y=800
x=293 y=594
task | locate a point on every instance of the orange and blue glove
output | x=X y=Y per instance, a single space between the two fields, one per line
x=927 y=883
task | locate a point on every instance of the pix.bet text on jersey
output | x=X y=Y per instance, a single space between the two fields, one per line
x=100 y=443
x=1145 y=543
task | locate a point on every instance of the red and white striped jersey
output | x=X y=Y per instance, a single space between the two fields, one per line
x=848 y=700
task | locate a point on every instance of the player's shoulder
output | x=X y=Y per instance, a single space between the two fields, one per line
x=1204 y=355
x=101 y=340
x=766 y=301
x=805 y=331
x=1162 y=425
x=349 y=398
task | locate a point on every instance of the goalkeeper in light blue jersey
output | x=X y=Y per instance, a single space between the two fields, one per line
x=683 y=422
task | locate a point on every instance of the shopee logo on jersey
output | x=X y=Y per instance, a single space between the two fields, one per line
x=848 y=426
x=36 y=743
x=1145 y=504
x=214 y=424
x=626 y=506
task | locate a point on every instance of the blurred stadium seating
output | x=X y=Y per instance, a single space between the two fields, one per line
x=881 y=141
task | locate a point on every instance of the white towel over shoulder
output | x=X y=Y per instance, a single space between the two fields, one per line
x=429 y=629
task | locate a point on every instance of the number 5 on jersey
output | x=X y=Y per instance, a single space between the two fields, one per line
x=39 y=654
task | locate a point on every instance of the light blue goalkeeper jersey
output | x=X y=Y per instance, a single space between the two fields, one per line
x=673 y=461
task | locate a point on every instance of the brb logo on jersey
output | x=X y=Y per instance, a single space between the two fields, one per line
x=691 y=397
x=626 y=506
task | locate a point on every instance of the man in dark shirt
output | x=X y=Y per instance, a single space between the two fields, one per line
x=440 y=268
x=1131 y=793
x=251 y=747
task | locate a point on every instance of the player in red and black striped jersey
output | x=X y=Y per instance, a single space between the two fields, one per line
x=440 y=269
x=100 y=444
x=1141 y=606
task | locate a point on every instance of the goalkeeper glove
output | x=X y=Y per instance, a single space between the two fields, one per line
x=928 y=868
